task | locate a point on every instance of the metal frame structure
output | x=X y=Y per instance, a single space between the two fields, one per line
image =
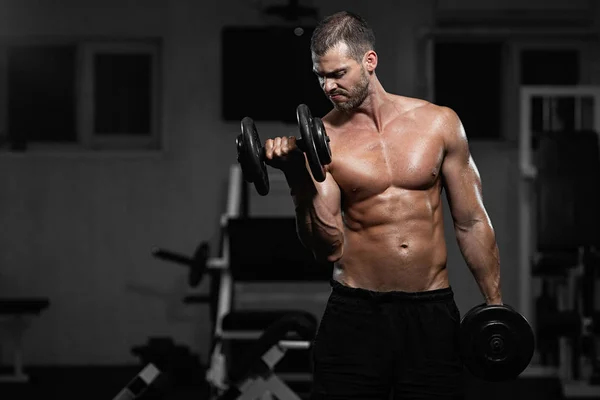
x=528 y=173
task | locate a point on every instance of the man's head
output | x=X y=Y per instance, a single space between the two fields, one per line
x=344 y=58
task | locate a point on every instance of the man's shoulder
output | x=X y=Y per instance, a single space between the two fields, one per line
x=435 y=119
x=410 y=103
x=426 y=109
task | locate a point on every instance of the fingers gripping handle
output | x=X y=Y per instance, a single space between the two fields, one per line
x=263 y=150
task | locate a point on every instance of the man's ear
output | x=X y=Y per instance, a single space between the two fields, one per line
x=370 y=60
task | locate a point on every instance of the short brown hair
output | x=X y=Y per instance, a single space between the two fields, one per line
x=343 y=26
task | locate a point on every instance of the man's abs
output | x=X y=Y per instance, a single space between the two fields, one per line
x=394 y=241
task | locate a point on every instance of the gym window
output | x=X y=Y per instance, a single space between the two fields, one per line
x=79 y=94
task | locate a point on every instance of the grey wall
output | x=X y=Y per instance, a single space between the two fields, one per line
x=78 y=228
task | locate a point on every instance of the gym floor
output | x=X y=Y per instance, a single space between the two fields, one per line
x=103 y=383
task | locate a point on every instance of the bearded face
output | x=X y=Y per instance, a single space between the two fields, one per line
x=344 y=80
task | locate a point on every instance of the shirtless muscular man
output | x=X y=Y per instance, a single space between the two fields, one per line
x=391 y=326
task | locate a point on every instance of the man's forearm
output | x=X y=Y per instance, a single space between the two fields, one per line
x=317 y=226
x=477 y=243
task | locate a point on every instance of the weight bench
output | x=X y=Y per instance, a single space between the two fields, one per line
x=15 y=317
x=255 y=377
x=249 y=345
x=255 y=250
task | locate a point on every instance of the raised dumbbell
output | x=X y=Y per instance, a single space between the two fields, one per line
x=497 y=343
x=313 y=141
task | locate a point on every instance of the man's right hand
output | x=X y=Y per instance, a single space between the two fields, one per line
x=283 y=153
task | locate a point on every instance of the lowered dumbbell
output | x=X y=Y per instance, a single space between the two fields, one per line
x=197 y=264
x=313 y=141
x=497 y=343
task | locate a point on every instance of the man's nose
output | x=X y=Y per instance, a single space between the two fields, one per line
x=329 y=85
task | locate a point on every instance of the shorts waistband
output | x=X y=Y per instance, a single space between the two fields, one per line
x=425 y=296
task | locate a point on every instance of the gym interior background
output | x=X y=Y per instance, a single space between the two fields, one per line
x=82 y=206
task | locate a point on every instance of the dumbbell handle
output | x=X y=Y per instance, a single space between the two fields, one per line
x=167 y=255
x=299 y=143
x=171 y=256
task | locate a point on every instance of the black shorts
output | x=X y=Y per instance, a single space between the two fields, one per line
x=388 y=345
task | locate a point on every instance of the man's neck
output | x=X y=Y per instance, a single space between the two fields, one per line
x=370 y=111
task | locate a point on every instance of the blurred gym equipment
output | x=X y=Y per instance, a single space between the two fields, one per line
x=559 y=235
x=250 y=350
x=139 y=384
x=15 y=318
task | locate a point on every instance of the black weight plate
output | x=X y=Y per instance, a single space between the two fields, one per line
x=252 y=160
x=497 y=342
x=242 y=158
x=307 y=134
x=244 y=153
x=321 y=142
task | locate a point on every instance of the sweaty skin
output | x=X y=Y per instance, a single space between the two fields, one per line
x=378 y=214
x=391 y=184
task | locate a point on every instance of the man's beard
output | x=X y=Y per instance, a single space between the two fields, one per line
x=355 y=96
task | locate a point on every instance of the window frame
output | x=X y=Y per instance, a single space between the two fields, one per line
x=86 y=49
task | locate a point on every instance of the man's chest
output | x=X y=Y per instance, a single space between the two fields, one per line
x=373 y=162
